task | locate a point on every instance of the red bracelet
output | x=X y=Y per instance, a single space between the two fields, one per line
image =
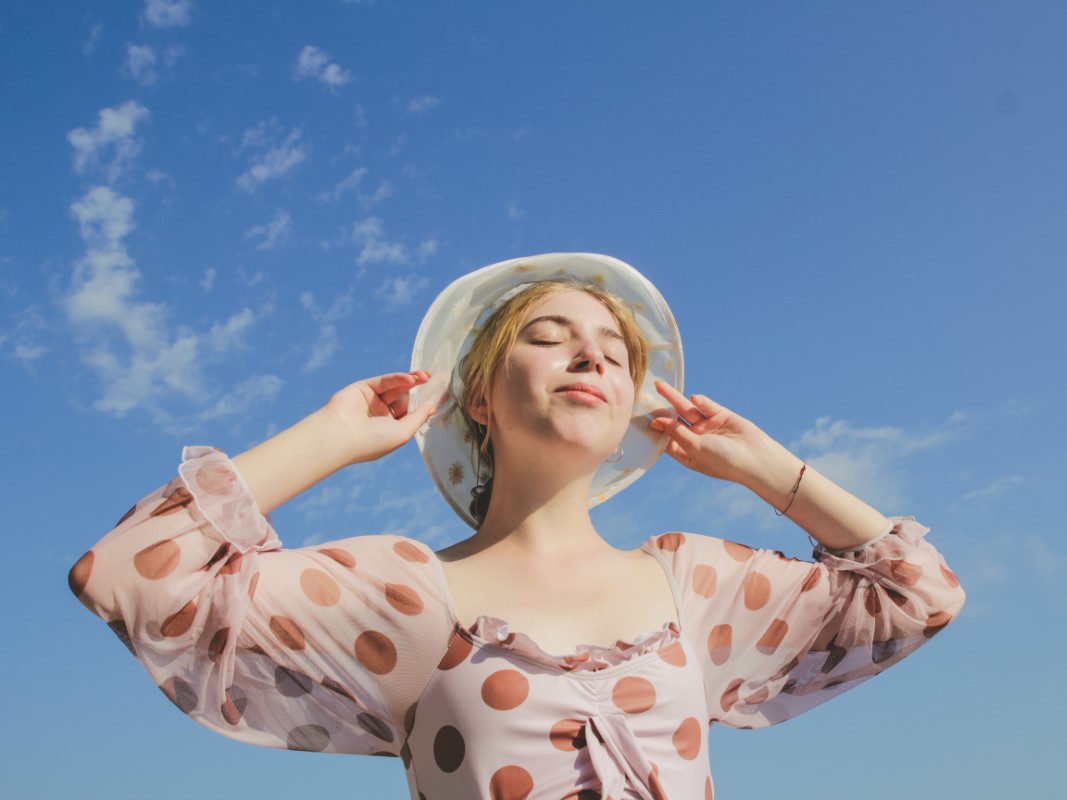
x=793 y=494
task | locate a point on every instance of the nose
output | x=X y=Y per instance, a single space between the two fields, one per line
x=589 y=358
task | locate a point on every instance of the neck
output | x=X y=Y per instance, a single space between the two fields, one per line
x=539 y=510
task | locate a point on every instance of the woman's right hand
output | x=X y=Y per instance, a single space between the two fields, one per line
x=374 y=412
x=362 y=422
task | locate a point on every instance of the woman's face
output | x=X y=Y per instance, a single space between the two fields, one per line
x=565 y=382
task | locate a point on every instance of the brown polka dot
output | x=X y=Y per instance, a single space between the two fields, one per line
x=232 y=565
x=673 y=654
x=181 y=693
x=78 y=577
x=568 y=734
x=510 y=783
x=719 y=642
x=634 y=695
x=405 y=756
x=905 y=573
x=409 y=717
x=458 y=650
x=883 y=651
x=835 y=655
x=234 y=707
x=320 y=588
x=342 y=557
x=686 y=739
x=180 y=622
x=872 y=601
x=654 y=786
x=729 y=697
x=175 y=501
x=899 y=599
x=287 y=632
x=757 y=590
x=252 y=584
x=376 y=652
x=403 y=598
x=670 y=541
x=738 y=552
x=218 y=643
x=375 y=726
x=291 y=682
x=158 y=560
x=118 y=627
x=220 y=553
x=812 y=579
x=772 y=637
x=337 y=688
x=448 y=749
x=709 y=793
x=505 y=689
x=127 y=515
x=312 y=738
x=936 y=622
x=950 y=577
x=410 y=552
x=705 y=580
x=217 y=479
x=759 y=696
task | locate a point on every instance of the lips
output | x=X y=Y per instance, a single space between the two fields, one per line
x=583 y=388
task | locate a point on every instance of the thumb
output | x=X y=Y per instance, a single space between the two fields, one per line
x=415 y=419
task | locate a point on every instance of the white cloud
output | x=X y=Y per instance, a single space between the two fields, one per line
x=401 y=291
x=384 y=190
x=249 y=393
x=168 y=13
x=343 y=186
x=994 y=489
x=208 y=281
x=515 y=212
x=26 y=352
x=328 y=339
x=141 y=63
x=272 y=233
x=417 y=105
x=274 y=162
x=376 y=249
x=314 y=63
x=378 y=252
x=229 y=335
x=94 y=39
x=115 y=134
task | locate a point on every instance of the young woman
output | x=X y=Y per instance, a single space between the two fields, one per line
x=533 y=659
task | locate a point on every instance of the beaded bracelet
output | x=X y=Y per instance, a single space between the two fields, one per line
x=792 y=494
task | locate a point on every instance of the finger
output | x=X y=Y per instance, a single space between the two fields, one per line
x=707 y=406
x=416 y=419
x=678 y=431
x=397 y=380
x=682 y=404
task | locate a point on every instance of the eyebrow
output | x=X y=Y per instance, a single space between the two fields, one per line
x=566 y=322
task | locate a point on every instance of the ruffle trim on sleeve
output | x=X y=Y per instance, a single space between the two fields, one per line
x=225 y=499
x=902 y=538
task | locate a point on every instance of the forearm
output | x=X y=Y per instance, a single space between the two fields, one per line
x=835 y=517
x=294 y=460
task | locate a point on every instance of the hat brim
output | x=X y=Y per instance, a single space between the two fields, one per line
x=449 y=327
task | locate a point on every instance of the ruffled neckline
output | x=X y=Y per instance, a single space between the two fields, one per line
x=586 y=657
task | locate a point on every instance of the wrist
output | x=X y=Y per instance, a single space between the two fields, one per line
x=773 y=474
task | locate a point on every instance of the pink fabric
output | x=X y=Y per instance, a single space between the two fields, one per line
x=354 y=647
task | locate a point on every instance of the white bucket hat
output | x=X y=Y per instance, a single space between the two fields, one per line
x=447 y=332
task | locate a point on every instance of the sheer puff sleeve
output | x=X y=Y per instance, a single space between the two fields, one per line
x=779 y=635
x=322 y=648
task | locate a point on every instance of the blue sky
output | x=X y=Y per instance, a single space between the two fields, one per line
x=214 y=215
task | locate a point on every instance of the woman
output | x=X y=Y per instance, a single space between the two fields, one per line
x=473 y=664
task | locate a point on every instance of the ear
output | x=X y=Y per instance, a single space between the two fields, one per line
x=478 y=409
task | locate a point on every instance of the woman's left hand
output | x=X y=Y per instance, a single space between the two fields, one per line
x=714 y=440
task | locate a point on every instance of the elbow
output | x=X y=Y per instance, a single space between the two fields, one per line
x=948 y=610
x=78 y=577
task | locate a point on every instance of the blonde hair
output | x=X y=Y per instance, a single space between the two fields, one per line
x=493 y=344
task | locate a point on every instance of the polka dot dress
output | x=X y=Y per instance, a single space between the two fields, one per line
x=354 y=647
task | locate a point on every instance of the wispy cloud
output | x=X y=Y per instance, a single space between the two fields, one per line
x=249 y=393
x=274 y=159
x=426 y=102
x=229 y=335
x=994 y=489
x=343 y=186
x=111 y=147
x=94 y=39
x=315 y=63
x=141 y=64
x=384 y=190
x=208 y=281
x=168 y=13
x=273 y=233
x=328 y=339
x=377 y=249
x=396 y=292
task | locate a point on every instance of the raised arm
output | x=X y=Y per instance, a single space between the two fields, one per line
x=713 y=440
